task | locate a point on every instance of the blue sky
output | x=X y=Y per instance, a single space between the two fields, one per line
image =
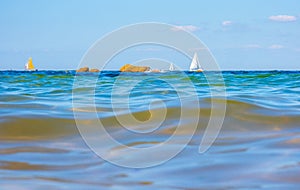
x=242 y=35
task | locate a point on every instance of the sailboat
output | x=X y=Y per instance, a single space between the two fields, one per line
x=195 y=65
x=29 y=65
x=171 y=68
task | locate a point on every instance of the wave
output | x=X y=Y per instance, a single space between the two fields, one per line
x=239 y=116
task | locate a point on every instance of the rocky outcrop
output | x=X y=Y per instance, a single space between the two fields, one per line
x=83 y=69
x=133 y=68
x=94 y=70
x=86 y=69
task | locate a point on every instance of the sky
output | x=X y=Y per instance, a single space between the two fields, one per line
x=242 y=35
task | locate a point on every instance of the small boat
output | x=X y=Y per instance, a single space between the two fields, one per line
x=171 y=68
x=156 y=71
x=29 y=65
x=195 y=65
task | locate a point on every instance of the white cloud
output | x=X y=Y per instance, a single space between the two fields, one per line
x=189 y=28
x=227 y=23
x=276 y=46
x=283 y=18
x=257 y=46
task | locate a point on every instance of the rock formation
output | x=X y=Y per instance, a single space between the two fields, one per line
x=86 y=69
x=83 y=69
x=94 y=70
x=133 y=68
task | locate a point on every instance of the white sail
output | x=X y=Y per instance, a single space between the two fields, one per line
x=195 y=65
x=171 y=68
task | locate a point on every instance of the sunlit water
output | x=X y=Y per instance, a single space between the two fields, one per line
x=41 y=148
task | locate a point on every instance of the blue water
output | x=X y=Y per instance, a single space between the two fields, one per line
x=258 y=146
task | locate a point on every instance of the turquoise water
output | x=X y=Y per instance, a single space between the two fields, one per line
x=258 y=146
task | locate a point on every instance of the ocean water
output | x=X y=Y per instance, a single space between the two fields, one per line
x=258 y=146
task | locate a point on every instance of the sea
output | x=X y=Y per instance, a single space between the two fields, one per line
x=50 y=120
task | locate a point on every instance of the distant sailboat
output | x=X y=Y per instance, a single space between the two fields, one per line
x=29 y=65
x=171 y=68
x=195 y=65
